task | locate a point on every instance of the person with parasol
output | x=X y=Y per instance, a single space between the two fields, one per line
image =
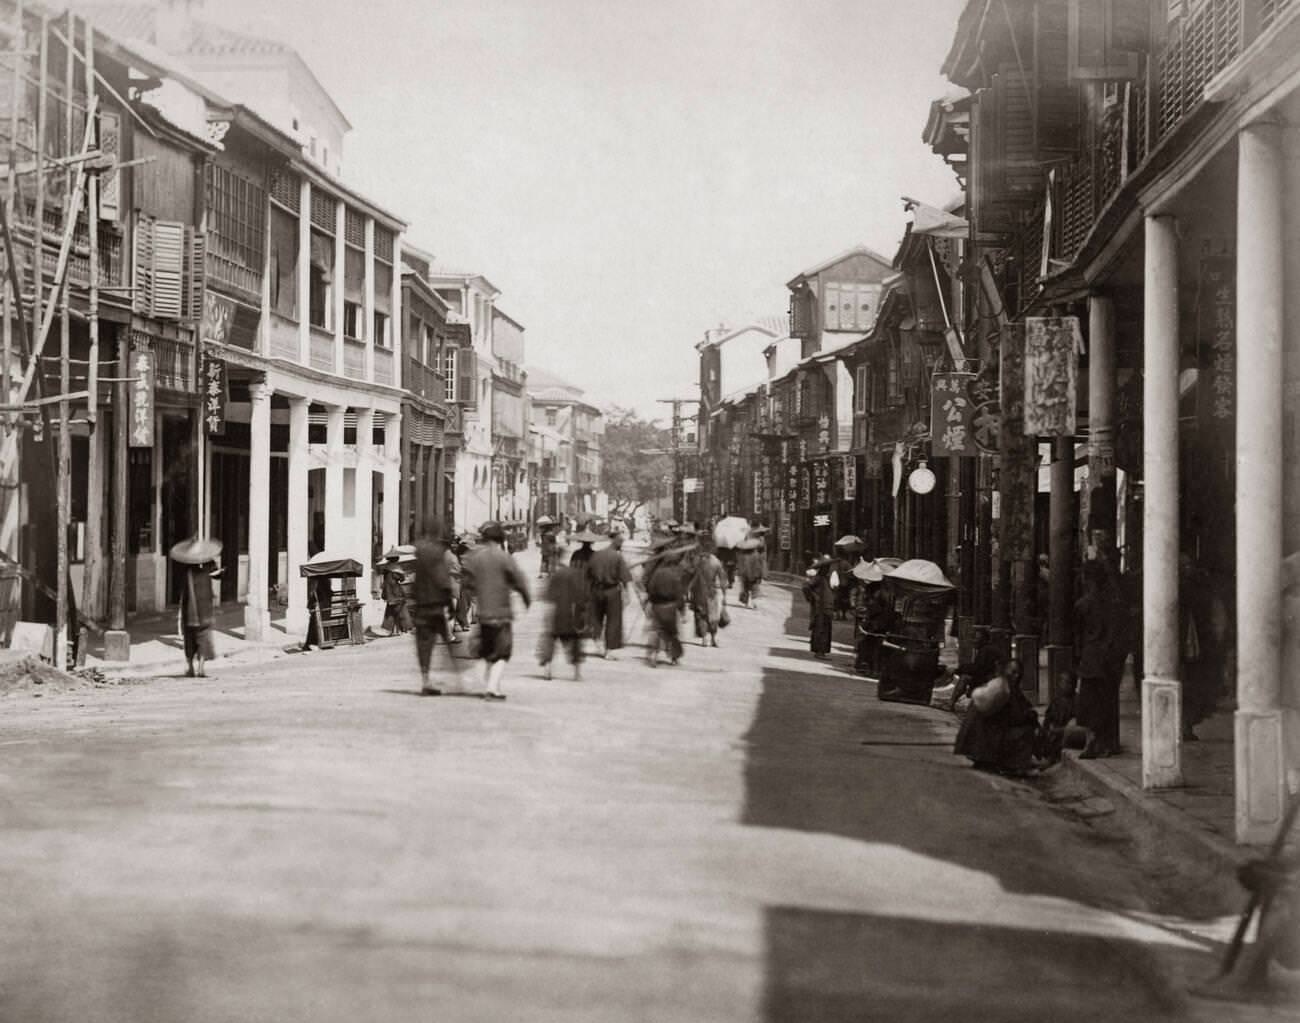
x=198 y=558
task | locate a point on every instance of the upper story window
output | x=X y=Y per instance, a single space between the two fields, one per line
x=236 y=210
x=449 y=372
x=551 y=416
x=384 y=248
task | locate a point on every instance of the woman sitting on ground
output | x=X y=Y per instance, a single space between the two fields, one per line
x=998 y=731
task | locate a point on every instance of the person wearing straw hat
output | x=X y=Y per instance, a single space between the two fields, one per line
x=397 y=619
x=197 y=558
x=820 y=594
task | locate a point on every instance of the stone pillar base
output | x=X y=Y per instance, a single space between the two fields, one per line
x=295 y=622
x=1260 y=774
x=1025 y=650
x=1059 y=658
x=117 y=645
x=257 y=624
x=1162 y=733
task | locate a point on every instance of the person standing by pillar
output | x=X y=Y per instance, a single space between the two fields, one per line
x=1098 y=648
x=491 y=574
x=196 y=617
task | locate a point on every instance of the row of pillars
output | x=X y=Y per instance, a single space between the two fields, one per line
x=341 y=535
x=1258 y=725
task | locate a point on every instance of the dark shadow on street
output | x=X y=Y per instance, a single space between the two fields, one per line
x=832 y=967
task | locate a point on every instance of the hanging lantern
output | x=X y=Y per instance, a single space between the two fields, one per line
x=921 y=480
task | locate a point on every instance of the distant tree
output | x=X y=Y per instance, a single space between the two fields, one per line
x=632 y=467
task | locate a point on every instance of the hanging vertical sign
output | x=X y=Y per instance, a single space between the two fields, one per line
x=785 y=532
x=1216 y=314
x=1052 y=344
x=218 y=316
x=791 y=487
x=214 y=395
x=805 y=488
x=951 y=415
x=140 y=397
x=821 y=474
x=850 y=478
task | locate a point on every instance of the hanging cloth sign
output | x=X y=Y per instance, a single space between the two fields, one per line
x=140 y=399
x=850 y=478
x=951 y=415
x=214 y=395
x=1052 y=344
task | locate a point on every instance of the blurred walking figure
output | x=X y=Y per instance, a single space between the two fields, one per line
x=751 y=568
x=566 y=618
x=818 y=590
x=196 y=617
x=490 y=575
x=547 y=527
x=434 y=596
x=665 y=586
x=708 y=596
x=608 y=574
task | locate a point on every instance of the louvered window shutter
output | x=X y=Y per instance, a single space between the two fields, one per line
x=144 y=245
x=467 y=384
x=169 y=240
x=196 y=245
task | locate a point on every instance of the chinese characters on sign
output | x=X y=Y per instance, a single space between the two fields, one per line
x=805 y=488
x=791 y=487
x=823 y=433
x=214 y=395
x=951 y=415
x=140 y=397
x=1217 y=323
x=850 y=478
x=785 y=532
x=1051 y=363
x=821 y=483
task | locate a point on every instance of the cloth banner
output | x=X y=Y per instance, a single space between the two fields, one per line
x=821 y=474
x=1052 y=345
x=1216 y=336
x=951 y=415
x=850 y=478
x=140 y=397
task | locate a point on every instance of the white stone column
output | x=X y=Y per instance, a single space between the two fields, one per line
x=257 y=614
x=1161 y=688
x=336 y=528
x=392 y=477
x=368 y=304
x=299 y=521
x=1258 y=731
x=304 y=273
x=361 y=523
x=336 y=295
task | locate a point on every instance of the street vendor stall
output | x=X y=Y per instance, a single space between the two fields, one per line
x=921 y=595
x=332 y=599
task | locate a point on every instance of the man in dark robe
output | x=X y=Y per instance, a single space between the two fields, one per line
x=567 y=593
x=608 y=574
x=820 y=595
x=1000 y=737
x=196 y=618
x=434 y=598
x=665 y=586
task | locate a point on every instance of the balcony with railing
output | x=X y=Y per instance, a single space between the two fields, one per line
x=108 y=236
x=1138 y=116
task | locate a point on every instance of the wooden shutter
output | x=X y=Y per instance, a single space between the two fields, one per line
x=1107 y=38
x=143 y=295
x=167 y=269
x=467 y=378
x=196 y=247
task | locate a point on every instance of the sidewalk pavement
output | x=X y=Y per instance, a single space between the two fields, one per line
x=156 y=646
x=1197 y=820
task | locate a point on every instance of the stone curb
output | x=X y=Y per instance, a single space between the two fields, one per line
x=1154 y=823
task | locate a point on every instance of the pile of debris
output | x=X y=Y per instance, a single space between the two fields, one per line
x=21 y=671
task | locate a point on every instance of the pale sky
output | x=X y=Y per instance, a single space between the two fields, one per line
x=630 y=174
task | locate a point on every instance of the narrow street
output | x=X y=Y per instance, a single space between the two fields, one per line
x=750 y=836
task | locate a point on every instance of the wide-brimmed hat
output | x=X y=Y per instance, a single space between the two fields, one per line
x=195 y=551
x=492 y=531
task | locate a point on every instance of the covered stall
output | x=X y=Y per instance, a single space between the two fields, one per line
x=332 y=599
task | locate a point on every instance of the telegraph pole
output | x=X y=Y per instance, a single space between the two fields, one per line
x=679 y=479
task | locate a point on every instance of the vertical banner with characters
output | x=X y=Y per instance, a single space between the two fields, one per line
x=140 y=400
x=951 y=415
x=850 y=477
x=214 y=395
x=1018 y=476
x=1052 y=345
x=1216 y=335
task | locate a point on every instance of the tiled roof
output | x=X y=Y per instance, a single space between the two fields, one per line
x=139 y=21
x=209 y=39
